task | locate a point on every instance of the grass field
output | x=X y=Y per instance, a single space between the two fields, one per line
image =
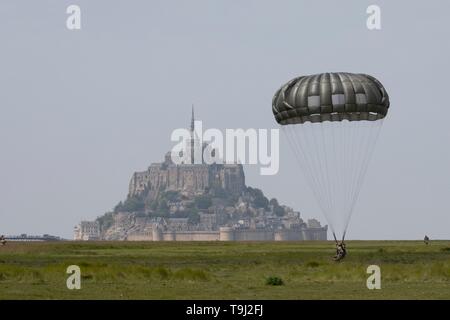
x=224 y=270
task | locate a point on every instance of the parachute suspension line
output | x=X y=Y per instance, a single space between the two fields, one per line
x=367 y=142
x=299 y=153
x=347 y=161
x=303 y=137
x=318 y=160
x=345 y=167
x=338 y=158
x=329 y=182
x=357 y=161
x=356 y=140
x=318 y=148
x=374 y=134
x=349 y=168
x=334 y=157
x=315 y=149
x=301 y=156
x=335 y=171
x=356 y=167
x=335 y=239
x=299 y=139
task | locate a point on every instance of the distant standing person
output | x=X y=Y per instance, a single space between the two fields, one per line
x=426 y=240
x=2 y=240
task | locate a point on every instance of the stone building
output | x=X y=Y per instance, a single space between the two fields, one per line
x=127 y=226
x=188 y=177
x=87 y=230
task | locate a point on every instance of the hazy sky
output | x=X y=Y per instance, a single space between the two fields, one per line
x=82 y=110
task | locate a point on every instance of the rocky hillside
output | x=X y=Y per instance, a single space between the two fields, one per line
x=133 y=214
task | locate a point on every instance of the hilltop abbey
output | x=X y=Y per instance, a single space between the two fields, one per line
x=189 y=177
x=198 y=202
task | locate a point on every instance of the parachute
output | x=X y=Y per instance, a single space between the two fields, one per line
x=332 y=122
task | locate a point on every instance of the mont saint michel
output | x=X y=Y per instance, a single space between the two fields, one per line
x=198 y=202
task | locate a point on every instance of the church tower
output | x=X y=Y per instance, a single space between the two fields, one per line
x=192 y=120
x=193 y=143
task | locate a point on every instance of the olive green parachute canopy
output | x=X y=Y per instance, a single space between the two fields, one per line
x=330 y=97
x=333 y=154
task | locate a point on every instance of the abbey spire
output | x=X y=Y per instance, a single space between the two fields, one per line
x=193 y=142
x=192 y=119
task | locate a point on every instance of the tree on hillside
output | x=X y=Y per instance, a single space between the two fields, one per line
x=193 y=218
x=274 y=202
x=131 y=204
x=259 y=200
x=105 y=221
x=279 y=211
x=203 y=201
x=171 y=196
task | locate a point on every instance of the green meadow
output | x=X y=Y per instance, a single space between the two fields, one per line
x=224 y=270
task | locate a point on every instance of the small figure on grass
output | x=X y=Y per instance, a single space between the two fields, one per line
x=2 y=240
x=341 y=251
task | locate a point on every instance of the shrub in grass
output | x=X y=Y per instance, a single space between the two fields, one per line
x=84 y=264
x=162 y=272
x=191 y=274
x=36 y=276
x=312 y=264
x=144 y=271
x=274 y=281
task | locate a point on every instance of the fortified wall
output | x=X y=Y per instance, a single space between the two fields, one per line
x=233 y=234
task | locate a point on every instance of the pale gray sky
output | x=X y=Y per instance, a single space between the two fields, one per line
x=81 y=110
